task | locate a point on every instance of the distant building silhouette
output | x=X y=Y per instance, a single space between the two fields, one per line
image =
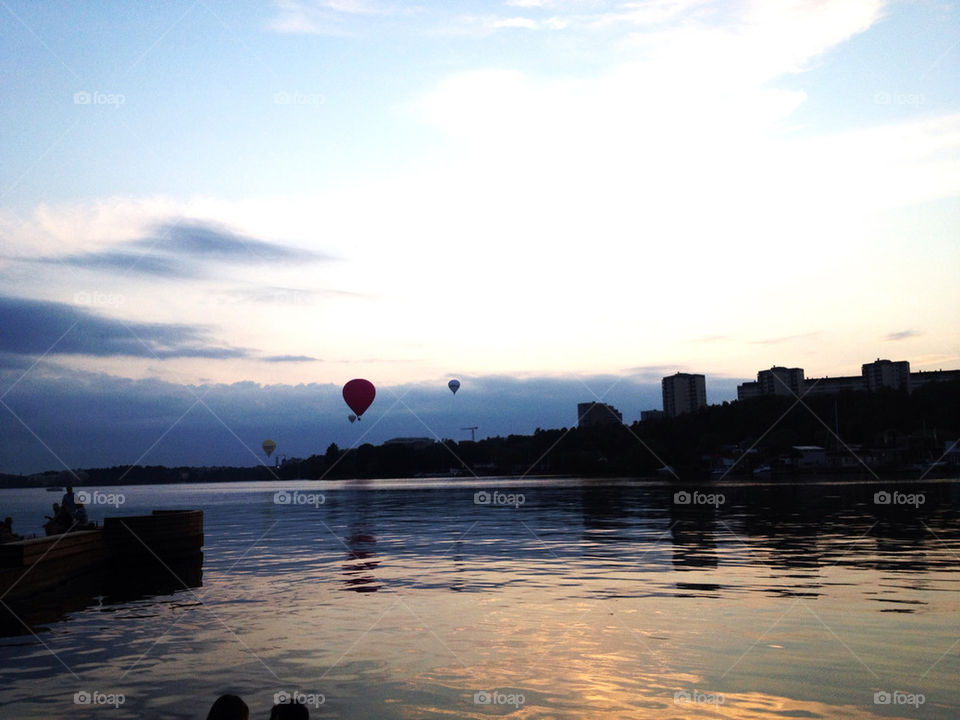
x=592 y=414
x=832 y=385
x=886 y=374
x=875 y=376
x=919 y=379
x=775 y=381
x=781 y=381
x=748 y=391
x=417 y=443
x=646 y=415
x=683 y=392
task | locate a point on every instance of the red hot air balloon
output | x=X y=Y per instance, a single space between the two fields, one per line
x=359 y=395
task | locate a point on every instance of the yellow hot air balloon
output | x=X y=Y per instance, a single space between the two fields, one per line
x=269 y=446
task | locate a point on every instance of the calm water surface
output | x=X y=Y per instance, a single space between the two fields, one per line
x=590 y=599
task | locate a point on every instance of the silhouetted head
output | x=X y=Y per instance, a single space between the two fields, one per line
x=289 y=711
x=229 y=707
x=8 y=521
x=69 y=488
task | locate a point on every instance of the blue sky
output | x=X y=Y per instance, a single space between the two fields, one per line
x=295 y=193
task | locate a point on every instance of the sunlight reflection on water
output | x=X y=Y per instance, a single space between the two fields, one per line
x=590 y=600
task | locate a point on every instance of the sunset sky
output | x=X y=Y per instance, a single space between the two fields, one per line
x=261 y=200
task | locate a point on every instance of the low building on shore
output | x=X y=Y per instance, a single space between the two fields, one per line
x=593 y=414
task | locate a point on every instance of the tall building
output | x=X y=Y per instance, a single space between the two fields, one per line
x=781 y=381
x=874 y=376
x=591 y=414
x=775 y=381
x=683 y=392
x=748 y=391
x=886 y=374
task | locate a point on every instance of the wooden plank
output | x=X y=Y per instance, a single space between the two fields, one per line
x=51 y=571
x=25 y=552
x=29 y=565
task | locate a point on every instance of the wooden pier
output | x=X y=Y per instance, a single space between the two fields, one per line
x=166 y=536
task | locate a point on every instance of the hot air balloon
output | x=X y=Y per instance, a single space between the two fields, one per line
x=359 y=395
x=352 y=418
x=454 y=385
x=269 y=446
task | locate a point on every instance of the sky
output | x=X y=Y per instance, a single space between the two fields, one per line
x=214 y=214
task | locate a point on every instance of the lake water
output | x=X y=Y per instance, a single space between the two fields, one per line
x=555 y=599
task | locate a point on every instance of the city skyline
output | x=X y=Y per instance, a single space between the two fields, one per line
x=222 y=425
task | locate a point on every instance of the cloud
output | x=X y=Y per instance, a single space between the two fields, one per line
x=38 y=327
x=129 y=263
x=95 y=419
x=203 y=240
x=326 y=17
x=286 y=295
x=186 y=249
x=903 y=335
x=516 y=22
x=651 y=373
x=289 y=358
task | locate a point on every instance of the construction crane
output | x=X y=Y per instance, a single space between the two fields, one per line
x=473 y=432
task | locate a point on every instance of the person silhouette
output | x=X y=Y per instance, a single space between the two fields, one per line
x=229 y=707
x=289 y=711
x=6 y=531
x=68 y=503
